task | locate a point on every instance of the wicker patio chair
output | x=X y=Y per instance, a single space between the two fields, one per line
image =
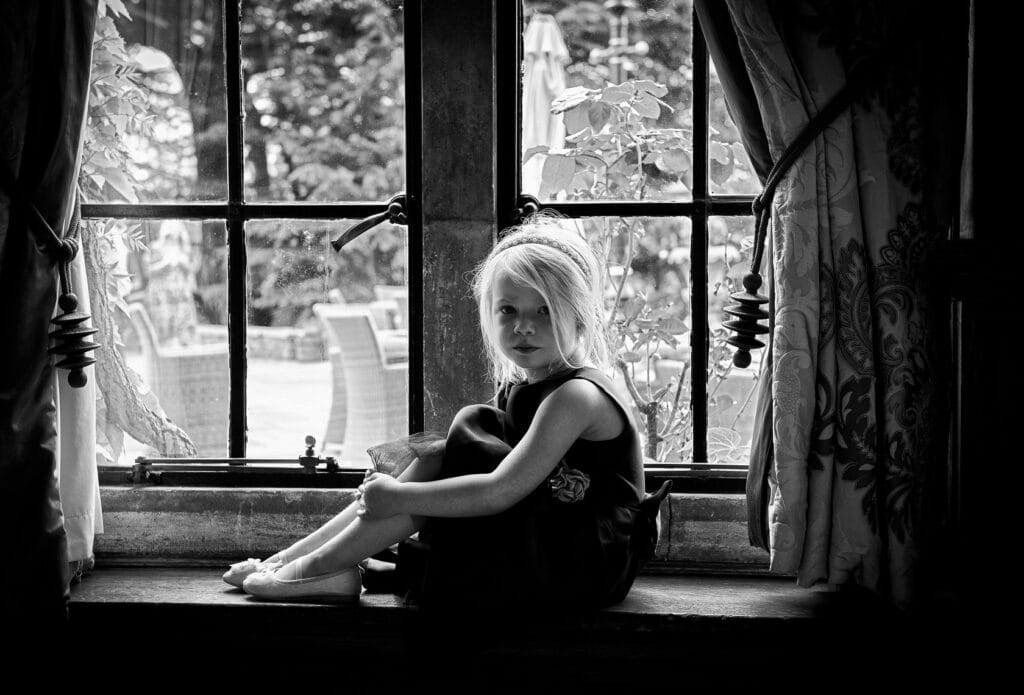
x=370 y=401
x=191 y=383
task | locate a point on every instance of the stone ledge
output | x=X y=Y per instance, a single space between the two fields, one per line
x=206 y=523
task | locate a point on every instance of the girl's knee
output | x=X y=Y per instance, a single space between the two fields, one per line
x=422 y=470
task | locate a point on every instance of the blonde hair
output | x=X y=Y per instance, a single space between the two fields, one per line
x=562 y=268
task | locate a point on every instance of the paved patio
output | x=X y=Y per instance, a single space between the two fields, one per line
x=286 y=401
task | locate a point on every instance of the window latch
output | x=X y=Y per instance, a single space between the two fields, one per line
x=526 y=205
x=396 y=213
x=310 y=460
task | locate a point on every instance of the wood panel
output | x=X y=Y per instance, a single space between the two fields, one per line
x=459 y=221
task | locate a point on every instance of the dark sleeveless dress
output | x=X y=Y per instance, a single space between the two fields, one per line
x=575 y=543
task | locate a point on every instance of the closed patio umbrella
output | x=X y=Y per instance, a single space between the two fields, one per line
x=544 y=55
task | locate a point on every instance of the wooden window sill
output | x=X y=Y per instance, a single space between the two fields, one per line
x=692 y=630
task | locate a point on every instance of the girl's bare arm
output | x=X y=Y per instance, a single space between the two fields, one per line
x=570 y=411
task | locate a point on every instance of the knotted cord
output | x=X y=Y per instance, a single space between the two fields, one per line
x=747 y=309
x=70 y=333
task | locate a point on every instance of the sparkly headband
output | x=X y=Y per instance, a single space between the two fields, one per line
x=543 y=240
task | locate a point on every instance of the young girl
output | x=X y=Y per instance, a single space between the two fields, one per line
x=536 y=498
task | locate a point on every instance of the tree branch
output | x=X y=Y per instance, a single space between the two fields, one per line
x=125 y=405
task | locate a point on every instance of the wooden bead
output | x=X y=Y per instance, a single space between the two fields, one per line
x=69 y=340
x=77 y=378
x=747 y=324
x=68 y=302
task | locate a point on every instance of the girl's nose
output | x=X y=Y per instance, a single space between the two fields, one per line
x=524 y=327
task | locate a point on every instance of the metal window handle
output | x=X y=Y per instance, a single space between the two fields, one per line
x=526 y=205
x=397 y=213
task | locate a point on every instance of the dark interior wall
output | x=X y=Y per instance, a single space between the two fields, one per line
x=989 y=471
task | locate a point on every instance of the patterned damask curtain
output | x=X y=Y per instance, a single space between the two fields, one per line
x=45 y=50
x=849 y=464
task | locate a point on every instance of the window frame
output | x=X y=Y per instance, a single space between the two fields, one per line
x=504 y=45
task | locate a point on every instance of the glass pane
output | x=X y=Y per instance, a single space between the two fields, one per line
x=731 y=398
x=324 y=100
x=328 y=346
x=729 y=166
x=647 y=293
x=621 y=76
x=155 y=130
x=161 y=285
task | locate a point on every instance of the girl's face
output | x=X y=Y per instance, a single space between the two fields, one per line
x=524 y=329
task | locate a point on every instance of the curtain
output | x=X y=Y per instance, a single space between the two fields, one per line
x=45 y=50
x=850 y=451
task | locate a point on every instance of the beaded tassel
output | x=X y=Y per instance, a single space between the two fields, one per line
x=69 y=336
x=747 y=324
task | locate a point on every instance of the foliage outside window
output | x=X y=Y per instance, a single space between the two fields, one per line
x=633 y=141
x=324 y=96
x=324 y=92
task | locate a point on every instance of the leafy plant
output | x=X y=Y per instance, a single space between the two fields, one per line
x=118 y=111
x=325 y=122
x=614 y=148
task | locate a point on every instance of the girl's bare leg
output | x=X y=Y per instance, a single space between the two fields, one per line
x=348 y=539
x=359 y=540
x=316 y=539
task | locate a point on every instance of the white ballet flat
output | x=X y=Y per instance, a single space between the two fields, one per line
x=237 y=573
x=337 y=587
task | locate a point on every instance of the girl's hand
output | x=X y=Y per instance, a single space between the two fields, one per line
x=378 y=496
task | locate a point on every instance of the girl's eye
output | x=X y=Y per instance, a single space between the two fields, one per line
x=506 y=309
x=543 y=311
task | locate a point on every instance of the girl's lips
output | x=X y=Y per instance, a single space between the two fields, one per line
x=525 y=348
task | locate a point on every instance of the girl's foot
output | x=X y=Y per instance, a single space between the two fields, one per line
x=343 y=586
x=237 y=573
x=311 y=565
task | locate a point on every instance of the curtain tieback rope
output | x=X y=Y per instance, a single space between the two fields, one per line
x=69 y=335
x=747 y=310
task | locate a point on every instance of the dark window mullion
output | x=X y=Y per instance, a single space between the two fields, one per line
x=219 y=211
x=412 y=23
x=237 y=262
x=621 y=208
x=735 y=206
x=699 y=247
x=155 y=211
x=508 y=45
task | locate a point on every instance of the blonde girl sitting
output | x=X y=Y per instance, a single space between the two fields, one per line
x=538 y=497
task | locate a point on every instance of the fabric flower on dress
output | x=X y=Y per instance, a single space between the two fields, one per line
x=568 y=484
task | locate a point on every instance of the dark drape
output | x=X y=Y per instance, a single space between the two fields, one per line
x=741 y=102
x=45 y=55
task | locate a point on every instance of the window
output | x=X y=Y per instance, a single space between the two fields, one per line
x=643 y=155
x=211 y=212
x=460 y=157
